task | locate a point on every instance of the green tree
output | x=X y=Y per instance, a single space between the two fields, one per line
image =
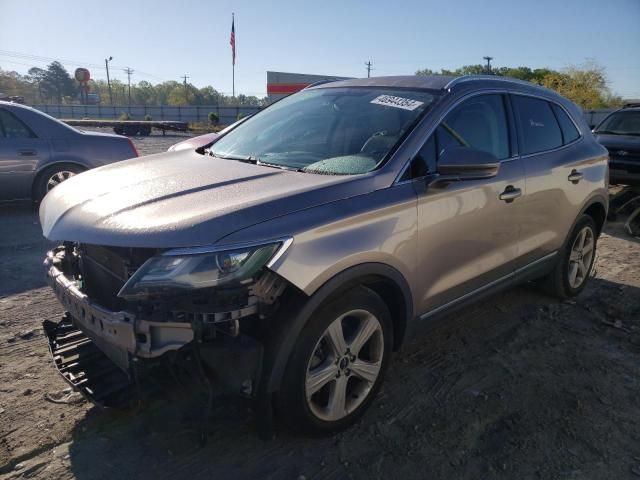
x=36 y=76
x=57 y=83
x=12 y=83
x=210 y=96
x=585 y=85
x=143 y=93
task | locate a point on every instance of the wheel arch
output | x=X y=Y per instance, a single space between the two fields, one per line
x=383 y=279
x=597 y=209
x=593 y=206
x=41 y=171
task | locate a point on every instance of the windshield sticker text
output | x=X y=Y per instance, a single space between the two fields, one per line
x=397 y=102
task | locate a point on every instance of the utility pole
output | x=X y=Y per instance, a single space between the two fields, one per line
x=186 y=90
x=488 y=59
x=232 y=42
x=368 y=64
x=129 y=72
x=106 y=64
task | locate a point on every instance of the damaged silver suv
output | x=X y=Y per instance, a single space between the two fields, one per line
x=288 y=259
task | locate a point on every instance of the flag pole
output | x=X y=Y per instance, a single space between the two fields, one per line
x=233 y=70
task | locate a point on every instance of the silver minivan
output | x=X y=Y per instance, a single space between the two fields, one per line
x=287 y=260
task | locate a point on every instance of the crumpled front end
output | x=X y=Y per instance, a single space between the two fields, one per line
x=105 y=341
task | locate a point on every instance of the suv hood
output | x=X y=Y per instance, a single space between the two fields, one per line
x=182 y=199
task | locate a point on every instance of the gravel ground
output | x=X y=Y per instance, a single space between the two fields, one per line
x=517 y=386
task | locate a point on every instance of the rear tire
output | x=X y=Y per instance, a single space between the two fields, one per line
x=575 y=262
x=323 y=390
x=52 y=177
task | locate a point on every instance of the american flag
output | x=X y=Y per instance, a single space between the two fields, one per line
x=232 y=42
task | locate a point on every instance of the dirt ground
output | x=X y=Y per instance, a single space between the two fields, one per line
x=518 y=386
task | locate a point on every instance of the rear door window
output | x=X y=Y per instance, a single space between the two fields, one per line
x=11 y=127
x=569 y=130
x=538 y=124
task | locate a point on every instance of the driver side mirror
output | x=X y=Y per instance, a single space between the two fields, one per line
x=464 y=163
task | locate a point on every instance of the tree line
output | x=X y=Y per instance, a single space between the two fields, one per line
x=585 y=85
x=55 y=85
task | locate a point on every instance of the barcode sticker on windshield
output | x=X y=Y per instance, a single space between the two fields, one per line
x=397 y=102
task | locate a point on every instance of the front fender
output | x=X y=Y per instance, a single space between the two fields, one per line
x=298 y=308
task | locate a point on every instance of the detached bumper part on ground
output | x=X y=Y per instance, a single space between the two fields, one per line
x=103 y=353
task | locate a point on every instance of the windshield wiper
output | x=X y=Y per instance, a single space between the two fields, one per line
x=277 y=165
x=239 y=158
x=256 y=161
x=607 y=132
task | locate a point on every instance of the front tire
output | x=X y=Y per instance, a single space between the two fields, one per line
x=338 y=364
x=574 y=266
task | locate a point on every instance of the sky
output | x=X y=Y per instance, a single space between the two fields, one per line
x=164 y=40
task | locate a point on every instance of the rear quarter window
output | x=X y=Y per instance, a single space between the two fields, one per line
x=538 y=124
x=569 y=130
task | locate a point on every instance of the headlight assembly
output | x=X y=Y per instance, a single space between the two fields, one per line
x=190 y=269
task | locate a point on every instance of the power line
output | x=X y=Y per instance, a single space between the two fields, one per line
x=76 y=63
x=368 y=64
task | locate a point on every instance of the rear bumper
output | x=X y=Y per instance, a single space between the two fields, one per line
x=120 y=335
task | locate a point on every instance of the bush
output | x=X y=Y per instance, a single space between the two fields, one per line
x=213 y=118
x=148 y=118
x=240 y=116
x=124 y=116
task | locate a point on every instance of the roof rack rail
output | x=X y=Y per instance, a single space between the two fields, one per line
x=320 y=82
x=467 y=78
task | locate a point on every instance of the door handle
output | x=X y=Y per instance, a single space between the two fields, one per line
x=27 y=153
x=510 y=194
x=575 y=176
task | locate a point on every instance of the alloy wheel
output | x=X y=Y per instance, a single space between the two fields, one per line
x=344 y=365
x=581 y=257
x=57 y=178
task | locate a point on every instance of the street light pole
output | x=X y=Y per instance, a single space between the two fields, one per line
x=106 y=64
x=488 y=59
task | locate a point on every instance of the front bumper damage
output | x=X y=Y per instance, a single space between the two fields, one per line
x=120 y=335
x=85 y=367
x=106 y=354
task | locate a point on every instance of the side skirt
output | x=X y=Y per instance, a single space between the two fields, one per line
x=429 y=320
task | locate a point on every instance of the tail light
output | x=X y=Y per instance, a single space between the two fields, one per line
x=133 y=147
